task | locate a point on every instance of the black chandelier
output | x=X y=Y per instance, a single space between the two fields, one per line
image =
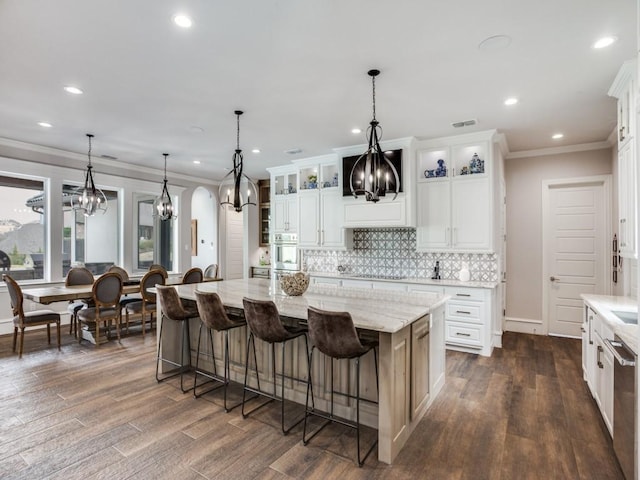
x=235 y=182
x=88 y=199
x=373 y=174
x=162 y=206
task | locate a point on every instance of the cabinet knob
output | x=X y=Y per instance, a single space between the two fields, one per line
x=553 y=279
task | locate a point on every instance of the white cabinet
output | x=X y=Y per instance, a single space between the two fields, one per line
x=623 y=88
x=320 y=209
x=598 y=364
x=627 y=206
x=468 y=320
x=285 y=214
x=419 y=365
x=455 y=192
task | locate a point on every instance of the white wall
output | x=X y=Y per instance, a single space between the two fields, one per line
x=204 y=209
x=524 y=178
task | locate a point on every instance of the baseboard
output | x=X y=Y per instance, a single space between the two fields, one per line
x=523 y=325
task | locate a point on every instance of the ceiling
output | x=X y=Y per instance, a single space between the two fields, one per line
x=298 y=68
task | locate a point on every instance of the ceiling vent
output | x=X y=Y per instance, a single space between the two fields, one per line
x=109 y=157
x=293 y=151
x=465 y=123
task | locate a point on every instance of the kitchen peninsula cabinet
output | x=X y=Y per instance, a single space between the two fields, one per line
x=457 y=185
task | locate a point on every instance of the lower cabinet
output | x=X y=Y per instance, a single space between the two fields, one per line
x=468 y=320
x=420 y=365
x=598 y=363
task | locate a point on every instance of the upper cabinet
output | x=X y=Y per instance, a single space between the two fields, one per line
x=456 y=183
x=320 y=212
x=388 y=212
x=623 y=88
x=264 y=198
x=284 y=199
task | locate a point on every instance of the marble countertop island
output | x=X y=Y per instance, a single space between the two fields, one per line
x=376 y=310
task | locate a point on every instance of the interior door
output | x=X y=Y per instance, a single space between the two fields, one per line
x=234 y=264
x=575 y=240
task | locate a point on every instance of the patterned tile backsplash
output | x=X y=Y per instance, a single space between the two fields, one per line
x=392 y=252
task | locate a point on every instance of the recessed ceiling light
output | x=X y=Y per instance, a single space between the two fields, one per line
x=255 y=150
x=511 y=101
x=355 y=131
x=197 y=162
x=604 y=42
x=557 y=136
x=73 y=90
x=45 y=124
x=182 y=20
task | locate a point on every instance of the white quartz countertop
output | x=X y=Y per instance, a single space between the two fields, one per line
x=376 y=310
x=604 y=305
x=422 y=281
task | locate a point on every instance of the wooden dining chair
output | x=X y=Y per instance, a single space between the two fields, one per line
x=148 y=303
x=106 y=296
x=77 y=276
x=193 y=275
x=124 y=275
x=157 y=266
x=22 y=320
x=211 y=271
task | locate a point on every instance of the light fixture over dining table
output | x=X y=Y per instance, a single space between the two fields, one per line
x=235 y=183
x=162 y=206
x=89 y=199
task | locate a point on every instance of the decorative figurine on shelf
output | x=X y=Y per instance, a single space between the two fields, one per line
x=313 y=179
x=476 y=165
x=326 y=185
x=291 y=189
x=441 y=171
x=429 y=173
x=334 y=183
x=304 y=185
x=464 y=170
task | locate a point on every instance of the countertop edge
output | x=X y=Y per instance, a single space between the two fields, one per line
x=604 y=304
x=415 y=280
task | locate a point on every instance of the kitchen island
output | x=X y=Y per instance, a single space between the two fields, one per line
x=410 y=331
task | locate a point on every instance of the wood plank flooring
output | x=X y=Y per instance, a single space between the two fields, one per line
x=524 y=413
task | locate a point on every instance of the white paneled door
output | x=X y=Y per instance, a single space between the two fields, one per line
x=575 y=236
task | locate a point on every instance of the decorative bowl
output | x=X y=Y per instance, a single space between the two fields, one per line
x=294 y=285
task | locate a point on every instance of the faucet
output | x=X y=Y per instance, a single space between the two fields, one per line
x=436 y=271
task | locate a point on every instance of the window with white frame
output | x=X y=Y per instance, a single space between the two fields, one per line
x=22 y=227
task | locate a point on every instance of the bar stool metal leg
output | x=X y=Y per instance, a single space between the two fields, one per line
x=184 y=339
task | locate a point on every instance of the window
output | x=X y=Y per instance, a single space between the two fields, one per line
x=155 y=237
x=90 y=241
x=22 y=227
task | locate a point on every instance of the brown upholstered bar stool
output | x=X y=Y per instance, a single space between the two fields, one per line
x=172 y=309
x=264 y=323
x=334 y=334
x=214 y=317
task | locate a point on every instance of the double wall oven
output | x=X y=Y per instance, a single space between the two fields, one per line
x=285 y=253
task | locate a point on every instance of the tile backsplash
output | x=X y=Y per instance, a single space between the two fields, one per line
x=392 y=252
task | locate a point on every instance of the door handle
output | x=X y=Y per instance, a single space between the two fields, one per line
x=554 y=279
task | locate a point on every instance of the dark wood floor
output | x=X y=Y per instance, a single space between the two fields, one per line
x=86 y=413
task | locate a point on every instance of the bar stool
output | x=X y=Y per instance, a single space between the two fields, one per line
x=334 y=334
x=214 y=317
x=264 y=323
x=172 y=309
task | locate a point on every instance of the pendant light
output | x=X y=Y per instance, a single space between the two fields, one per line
x=373 y=174
x=88 y=199
x=162 y=206
x=236 y=184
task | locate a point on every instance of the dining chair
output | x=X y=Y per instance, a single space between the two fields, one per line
x=193 y=275
x=211 y=271
x=77 y=276
x=22 y=320
x=148 y=303
x=157 y=266
x=107 y=291
x=124 y=275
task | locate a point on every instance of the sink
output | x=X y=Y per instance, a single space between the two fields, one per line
x=626 y=317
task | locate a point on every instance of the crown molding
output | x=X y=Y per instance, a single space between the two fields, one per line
x=141 y=172
x=583 y=147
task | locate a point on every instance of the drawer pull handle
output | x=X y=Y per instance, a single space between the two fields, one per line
x=462 y=311
x=463 y=334
x=462 y=295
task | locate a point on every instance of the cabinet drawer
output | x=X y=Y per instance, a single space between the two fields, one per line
x=465 y=293
x=258 y=272
x=464 y=311
x=467 y=335
x=389 y=286
x=356 y=284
